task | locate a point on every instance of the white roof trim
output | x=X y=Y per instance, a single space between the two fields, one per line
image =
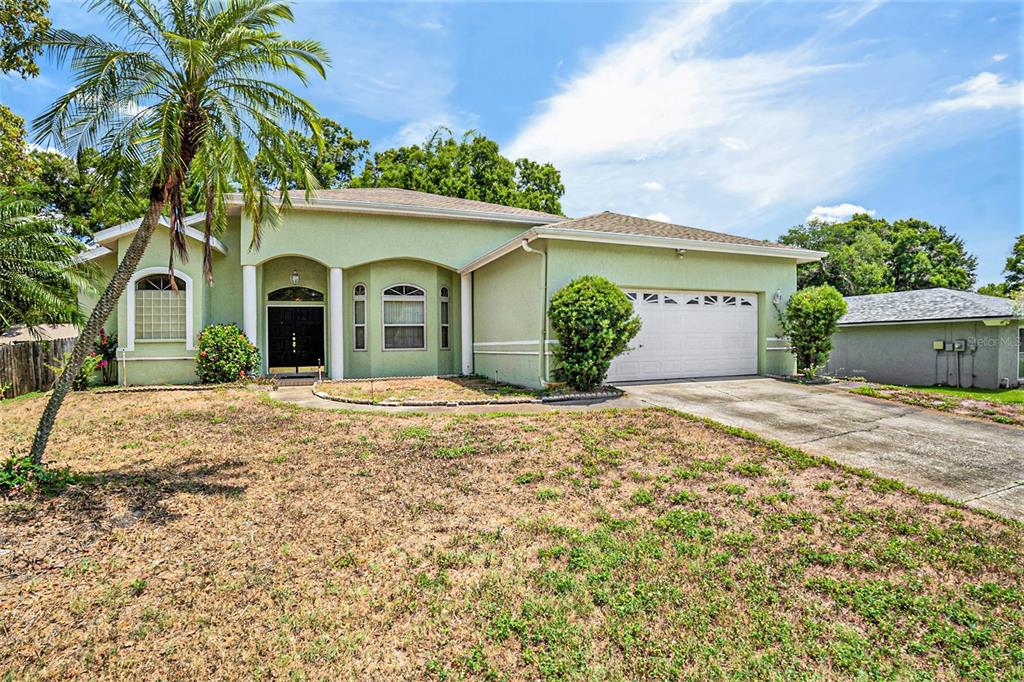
x=347 y=205
x=506 y=248
x=92 y=254
x=112 y=234
x=799 y=255
x=993 y=321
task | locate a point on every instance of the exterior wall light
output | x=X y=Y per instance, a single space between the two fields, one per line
x=295 y=277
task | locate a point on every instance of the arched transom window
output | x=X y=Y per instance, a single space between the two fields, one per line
x=159 y=309
x=405 y=317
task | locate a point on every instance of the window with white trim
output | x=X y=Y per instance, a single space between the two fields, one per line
x=445 y=329
x=359 y=317
x=405 y=318
x=159 y=309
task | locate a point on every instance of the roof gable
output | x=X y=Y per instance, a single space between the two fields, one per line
x=110 y=235
x=618 y=223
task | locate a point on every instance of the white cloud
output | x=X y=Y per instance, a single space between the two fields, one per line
x=663 y=217
x=738 y=134
x=653 y=186
x=416 y=132
x=985 y=91
x=837 y=213
x=999 y=57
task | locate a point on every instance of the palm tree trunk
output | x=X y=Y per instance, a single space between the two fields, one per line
x=106 y=304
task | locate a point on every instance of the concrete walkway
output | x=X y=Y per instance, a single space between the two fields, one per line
x=974 y=461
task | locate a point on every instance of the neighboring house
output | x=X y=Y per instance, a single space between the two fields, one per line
x=930 y=337
x=390 y=282
x=45 y=332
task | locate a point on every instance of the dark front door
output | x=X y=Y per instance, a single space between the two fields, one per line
x=295 y=337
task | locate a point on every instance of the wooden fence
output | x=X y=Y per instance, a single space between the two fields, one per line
x=23 y=366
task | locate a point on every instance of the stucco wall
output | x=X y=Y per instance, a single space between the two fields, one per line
x=347 y=239
x=903 y=354
x=507 y=309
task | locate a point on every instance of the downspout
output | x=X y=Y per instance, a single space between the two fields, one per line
x=542 y=352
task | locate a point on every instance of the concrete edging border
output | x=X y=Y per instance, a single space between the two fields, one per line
x=460 y=403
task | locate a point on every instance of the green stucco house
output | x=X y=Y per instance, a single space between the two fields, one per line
x=387 y=282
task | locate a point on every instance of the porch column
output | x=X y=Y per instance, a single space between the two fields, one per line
x=337 y=323
x=249 y=302
x=466 y=297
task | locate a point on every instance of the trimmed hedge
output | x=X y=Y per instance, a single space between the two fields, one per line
x=594 y=322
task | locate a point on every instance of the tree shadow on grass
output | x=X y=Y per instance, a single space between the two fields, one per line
x=98 y=499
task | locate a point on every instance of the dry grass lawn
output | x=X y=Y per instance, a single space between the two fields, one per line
x=225 y=536
x=423 y=389
x=1001 y=406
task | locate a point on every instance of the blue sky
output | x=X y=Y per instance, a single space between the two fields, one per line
x=744 y=117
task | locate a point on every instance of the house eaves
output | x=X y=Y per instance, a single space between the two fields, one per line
x=541 y=232
x=367 y=207
x=112 y=234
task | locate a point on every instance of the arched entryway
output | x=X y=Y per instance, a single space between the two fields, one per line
x=295 y=340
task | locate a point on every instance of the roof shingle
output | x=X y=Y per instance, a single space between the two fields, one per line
x=924 y=304
x=413 y=199
x=617 y=223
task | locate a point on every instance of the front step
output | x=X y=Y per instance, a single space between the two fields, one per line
x=295 y=380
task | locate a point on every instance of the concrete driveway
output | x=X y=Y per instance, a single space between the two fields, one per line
x=977 y=462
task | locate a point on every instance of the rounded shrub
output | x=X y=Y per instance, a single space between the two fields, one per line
x=810 y=319
x=594 y=322
x=225 y=355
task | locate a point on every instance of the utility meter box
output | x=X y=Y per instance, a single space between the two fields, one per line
x=960 y=345
x=949 y=347
x=938 y=345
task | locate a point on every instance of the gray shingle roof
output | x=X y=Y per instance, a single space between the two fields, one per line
x=617 y=223
x=412 y=199
x=924 y=304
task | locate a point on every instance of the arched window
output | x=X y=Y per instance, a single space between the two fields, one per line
x=296 y=294
x=445 y=336
x=359 y=317
x=160 y=310
x=405 y=318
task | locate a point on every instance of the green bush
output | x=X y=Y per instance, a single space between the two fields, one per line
x=90 y=365
x=225 y=355
x=809 y=320
x=594 y=322
x=18 y=474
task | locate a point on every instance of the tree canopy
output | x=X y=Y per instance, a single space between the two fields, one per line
x=470 y=168
x=333 y=163
x=1013 y=271
x=23 y=24
x=869 y=255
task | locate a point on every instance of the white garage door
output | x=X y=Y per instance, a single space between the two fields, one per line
x=690 y=334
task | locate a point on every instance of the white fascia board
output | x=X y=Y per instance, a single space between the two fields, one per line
x=997 y=321
x=345 y=205
x=799 y=255
x=92 y=254
x=506 y=248
x=112 y=234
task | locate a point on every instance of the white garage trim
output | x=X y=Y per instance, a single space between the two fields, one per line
x=690 y=334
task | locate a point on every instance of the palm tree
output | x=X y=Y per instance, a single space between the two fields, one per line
x=39 y=271
x=186 y=91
